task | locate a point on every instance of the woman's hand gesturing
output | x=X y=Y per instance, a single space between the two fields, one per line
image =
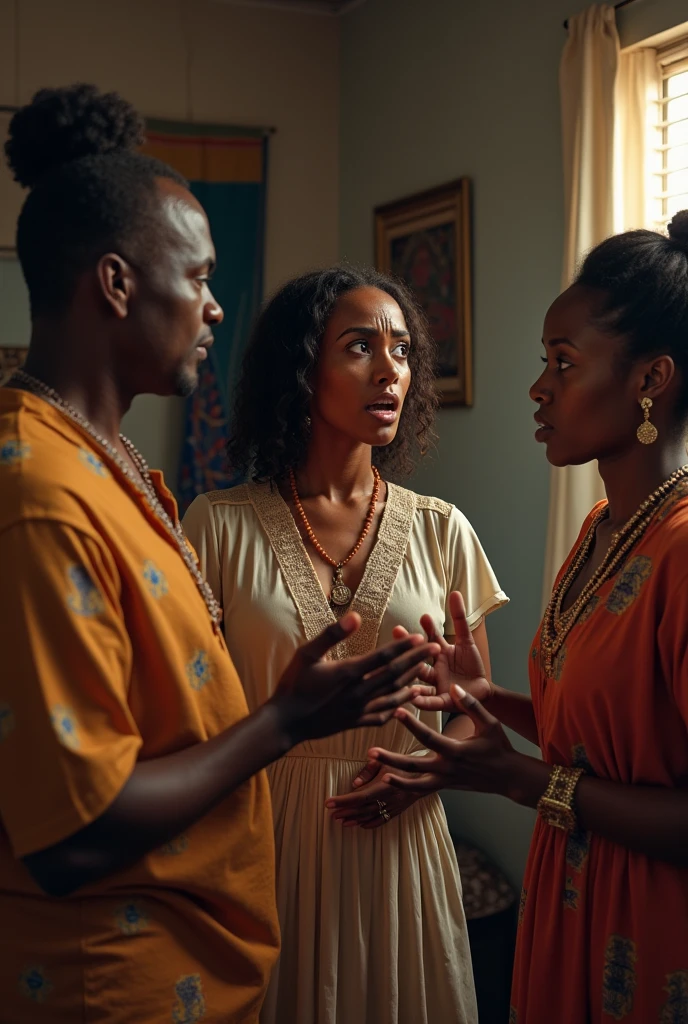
x=459 y=663
x=484 y=763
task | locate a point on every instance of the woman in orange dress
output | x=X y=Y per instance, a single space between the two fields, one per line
x=603 y=932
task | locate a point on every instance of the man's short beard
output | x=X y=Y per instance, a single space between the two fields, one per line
x=186 y=383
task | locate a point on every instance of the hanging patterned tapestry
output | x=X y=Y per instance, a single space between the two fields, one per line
x=226 y=168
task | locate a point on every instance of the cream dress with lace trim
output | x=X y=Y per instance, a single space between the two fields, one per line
x=373 y=929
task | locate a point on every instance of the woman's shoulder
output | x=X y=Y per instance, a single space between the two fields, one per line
x=213 y=508
x=437 y=519
x=237 y=495
x=435 y=512
x=422 y=502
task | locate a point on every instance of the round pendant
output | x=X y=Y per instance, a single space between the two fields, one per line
x=340 y=594
x=647 y=433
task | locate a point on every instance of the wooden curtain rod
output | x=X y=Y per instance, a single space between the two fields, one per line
x=617 y=7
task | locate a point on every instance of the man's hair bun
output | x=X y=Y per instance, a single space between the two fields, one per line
x=63 y=125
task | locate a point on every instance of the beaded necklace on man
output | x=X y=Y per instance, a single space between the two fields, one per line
x=340 y=595
x=557 y=623
x=141 y=481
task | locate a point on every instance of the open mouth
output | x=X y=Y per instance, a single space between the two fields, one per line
x=384 y=409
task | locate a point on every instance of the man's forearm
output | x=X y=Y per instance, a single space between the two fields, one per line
x=161 y=798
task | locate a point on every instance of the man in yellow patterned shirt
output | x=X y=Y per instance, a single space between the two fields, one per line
x=136 y=859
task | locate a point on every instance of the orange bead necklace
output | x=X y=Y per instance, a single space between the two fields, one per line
x=340 y=594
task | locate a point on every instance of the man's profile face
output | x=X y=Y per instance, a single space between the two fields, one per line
x=174 y=309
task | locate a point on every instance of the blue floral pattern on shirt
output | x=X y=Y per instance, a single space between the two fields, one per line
x=199 y=670
x=85 y=598
x=13 y=451
x=92 y=462
x=155 y=579
x=131 y=918
x=35 y=985
x=65 y=726
x=190 y=1005
x=173 y=847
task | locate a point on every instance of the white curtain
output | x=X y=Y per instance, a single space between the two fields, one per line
x=607 y=123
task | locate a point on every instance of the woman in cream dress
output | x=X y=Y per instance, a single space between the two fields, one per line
x=338 y=378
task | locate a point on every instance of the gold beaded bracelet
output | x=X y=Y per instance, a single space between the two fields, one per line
x=555 y=806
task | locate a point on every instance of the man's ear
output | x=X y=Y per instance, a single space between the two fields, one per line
x=117 y=282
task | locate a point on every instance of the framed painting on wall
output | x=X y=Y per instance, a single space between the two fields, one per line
x=425 y=239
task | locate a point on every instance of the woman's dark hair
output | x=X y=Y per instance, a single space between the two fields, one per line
x=91 y=192
x=270 y=426
x=643 y=280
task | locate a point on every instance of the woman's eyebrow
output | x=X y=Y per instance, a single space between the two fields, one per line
x=396 y=332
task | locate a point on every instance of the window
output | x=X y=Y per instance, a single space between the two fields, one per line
x=670 y=163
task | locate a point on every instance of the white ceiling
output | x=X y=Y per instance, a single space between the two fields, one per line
x=329 y=7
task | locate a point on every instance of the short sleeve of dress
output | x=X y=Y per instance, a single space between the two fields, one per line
x=199 y=527
x=469 y=572
x=68 y=741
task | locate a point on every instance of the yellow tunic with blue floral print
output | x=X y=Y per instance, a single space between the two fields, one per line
x=603 y=932
x=109 y=658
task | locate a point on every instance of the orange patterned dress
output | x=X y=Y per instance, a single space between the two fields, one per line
x=603 y=931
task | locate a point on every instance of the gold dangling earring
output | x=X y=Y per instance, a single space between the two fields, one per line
x=646 y=432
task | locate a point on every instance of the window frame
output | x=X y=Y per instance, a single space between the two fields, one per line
x=671 y=60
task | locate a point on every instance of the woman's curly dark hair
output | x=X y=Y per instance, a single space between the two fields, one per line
x=270 y=428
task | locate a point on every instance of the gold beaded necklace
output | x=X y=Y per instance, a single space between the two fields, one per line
x=340 y=594
x=142 y=483
x=557 y=624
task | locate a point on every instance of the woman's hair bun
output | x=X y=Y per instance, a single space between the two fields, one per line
x=61 y=125
x=678 y=228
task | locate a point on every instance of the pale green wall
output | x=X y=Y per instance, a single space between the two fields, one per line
x=433 y=91
x=15 y=325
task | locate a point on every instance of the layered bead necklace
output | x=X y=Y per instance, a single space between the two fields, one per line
x=144 y=486
x=340 y=595
x=557 y=624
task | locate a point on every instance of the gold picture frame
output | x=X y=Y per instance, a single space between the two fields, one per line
x=425 y=239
